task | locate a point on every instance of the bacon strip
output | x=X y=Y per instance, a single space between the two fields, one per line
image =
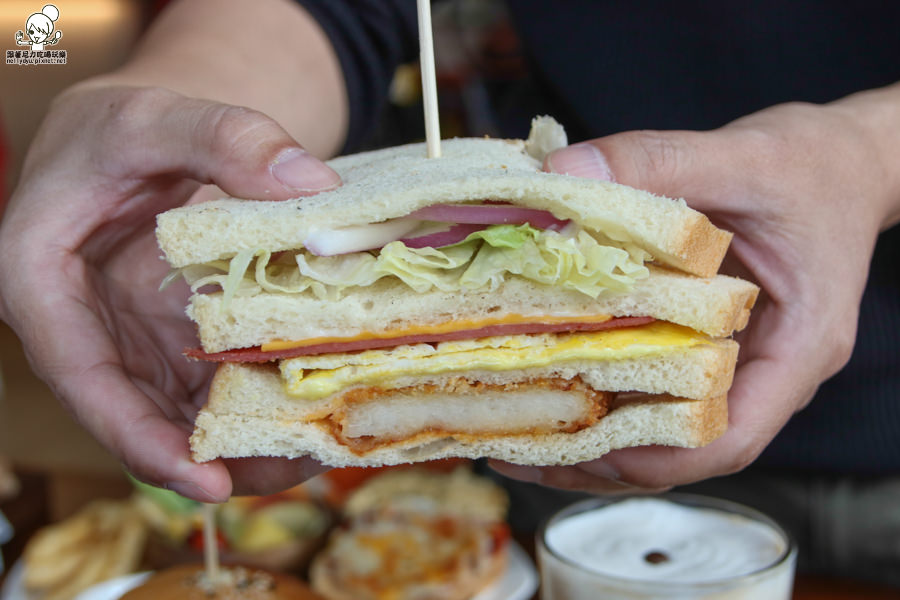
x=256 y=355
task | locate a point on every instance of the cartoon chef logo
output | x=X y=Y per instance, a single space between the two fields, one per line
x=39 y=29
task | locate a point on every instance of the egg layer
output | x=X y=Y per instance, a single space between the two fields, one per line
x=316 y=377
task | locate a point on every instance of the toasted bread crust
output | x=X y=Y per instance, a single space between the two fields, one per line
x=701 y=249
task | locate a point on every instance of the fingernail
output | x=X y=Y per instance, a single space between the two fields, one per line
x=300 y=171
x=309 y=467
x=530 y=474
x=192 y=491
x=602 y=469
x=579 y=160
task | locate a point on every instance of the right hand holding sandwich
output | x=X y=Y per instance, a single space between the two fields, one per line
x=80 y=268
x=806 y=191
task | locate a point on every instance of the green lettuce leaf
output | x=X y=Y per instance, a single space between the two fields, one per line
x=576 y=262
x=573 y=260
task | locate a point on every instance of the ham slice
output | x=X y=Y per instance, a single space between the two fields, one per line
x=257 y=355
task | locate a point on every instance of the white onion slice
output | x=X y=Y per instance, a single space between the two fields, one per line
x=489 y=214
x=356 y=238
x=466 y=219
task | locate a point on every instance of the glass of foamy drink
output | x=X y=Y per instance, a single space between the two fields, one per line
x=672 y=546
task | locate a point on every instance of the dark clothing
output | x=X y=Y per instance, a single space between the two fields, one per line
x=371 y=38
x=603 y=67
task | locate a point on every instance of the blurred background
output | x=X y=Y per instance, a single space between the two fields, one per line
x=48 y=465
x=97 y=34
x=35 y=433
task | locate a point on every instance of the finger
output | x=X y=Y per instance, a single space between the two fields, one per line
x=570 y=478
x=153 y=448
x=264 y=475
x=757 y=411
x=675 y=163
x=151 y=442
x=79 y=360
x=150 y=445
x=243 y=151
x=767 y=390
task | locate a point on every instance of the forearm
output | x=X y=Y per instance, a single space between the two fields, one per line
x=877 y=113
x=269 y=55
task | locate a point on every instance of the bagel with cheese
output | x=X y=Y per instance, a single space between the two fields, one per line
x=469 y=305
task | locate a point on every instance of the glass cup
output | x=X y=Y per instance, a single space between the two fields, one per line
x=670 y=546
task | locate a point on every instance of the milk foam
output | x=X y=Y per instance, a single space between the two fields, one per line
x=698 y=544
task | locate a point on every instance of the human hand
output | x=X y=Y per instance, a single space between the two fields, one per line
x=806 y=190
x=80 y=269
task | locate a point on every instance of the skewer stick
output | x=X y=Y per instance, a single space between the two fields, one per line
x=429 y=80
x=210 y=543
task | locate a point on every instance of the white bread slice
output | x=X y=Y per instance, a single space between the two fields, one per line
x=249 y=414
x=393 y=182
x=717 y=307
x=696 y=372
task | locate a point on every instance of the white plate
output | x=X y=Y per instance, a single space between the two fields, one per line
x=518 y=582
x=114 y=588
x=12 y=586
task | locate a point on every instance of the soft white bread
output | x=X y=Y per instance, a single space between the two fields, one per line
x=717 y=307
x=393 y=182
x=695 y=372
x=249 y=413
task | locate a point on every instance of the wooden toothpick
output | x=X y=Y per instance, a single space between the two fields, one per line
x=210 y=543
x=429 y=80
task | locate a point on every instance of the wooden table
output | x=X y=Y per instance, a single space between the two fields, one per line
x=824 y=588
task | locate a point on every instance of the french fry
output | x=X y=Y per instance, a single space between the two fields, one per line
x=129 y=545
x=90 y=572
x=50 y=541
x=103 y=540
x=45 y=574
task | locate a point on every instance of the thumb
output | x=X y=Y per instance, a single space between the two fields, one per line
x=242 y=151
x=662 y=162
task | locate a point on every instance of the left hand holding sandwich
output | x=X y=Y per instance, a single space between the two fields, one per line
x=80 y=269
x=806 y=190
